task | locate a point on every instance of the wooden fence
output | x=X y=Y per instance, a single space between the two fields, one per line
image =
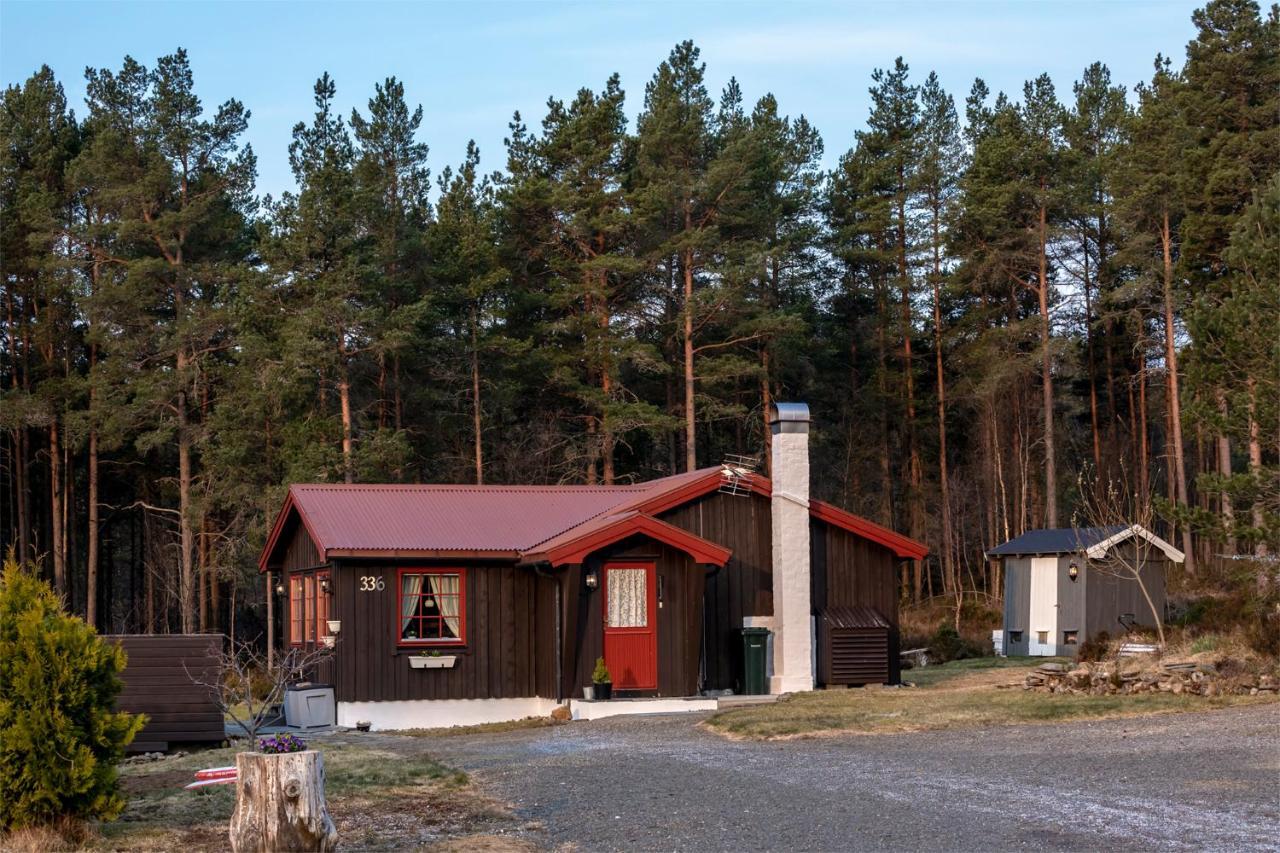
x=158 y=682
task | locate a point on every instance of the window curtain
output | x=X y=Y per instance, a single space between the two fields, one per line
x=628 y=598
x=410 y=586
x=445 y=590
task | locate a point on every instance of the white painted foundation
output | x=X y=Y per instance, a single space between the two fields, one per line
x=622 y=707
x=441 y=713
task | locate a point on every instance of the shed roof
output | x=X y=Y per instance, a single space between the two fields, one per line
x=505 y=522
x=1095 y=541
x=859 y=616
x=1055 y=540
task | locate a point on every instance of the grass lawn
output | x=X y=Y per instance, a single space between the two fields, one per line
x=959 y=694
x=383 y=791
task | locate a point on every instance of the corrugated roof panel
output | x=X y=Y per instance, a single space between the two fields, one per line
x=461 y=518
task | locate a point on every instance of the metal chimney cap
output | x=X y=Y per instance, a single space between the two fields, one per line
x=789 y=417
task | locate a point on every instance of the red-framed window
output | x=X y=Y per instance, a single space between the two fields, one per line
x=431 y=607
x=309 y=594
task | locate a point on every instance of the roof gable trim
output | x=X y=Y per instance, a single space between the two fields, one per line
x=578 y=548
x=1099 y=550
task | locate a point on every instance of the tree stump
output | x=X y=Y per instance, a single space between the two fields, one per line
x=280 y=804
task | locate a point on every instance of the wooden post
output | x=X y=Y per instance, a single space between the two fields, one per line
x=280 y=804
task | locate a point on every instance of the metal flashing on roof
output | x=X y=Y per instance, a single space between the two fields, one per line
x=789 y=417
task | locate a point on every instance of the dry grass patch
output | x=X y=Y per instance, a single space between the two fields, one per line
x=384 y=792
x=961 y=695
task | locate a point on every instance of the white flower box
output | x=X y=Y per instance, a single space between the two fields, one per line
x=432 y=661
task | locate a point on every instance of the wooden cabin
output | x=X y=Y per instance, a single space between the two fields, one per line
x=459 y=604
x=1065 y=586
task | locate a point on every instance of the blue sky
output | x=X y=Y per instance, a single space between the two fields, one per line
x=471 y=64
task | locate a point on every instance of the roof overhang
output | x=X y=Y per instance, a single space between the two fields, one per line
x=569 y=549
x=1098 y=551
x=277 y=531
x=904 y=547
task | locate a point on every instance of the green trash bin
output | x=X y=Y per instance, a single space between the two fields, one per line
x=755 y=648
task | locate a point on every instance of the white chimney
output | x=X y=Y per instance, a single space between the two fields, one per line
x=793 y=639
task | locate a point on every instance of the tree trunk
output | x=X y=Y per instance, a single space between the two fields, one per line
x=950 y=578
x=271 y=622
x=186 y=575
x=1050 y=460
x=1222 y=445
x=476 y=416
x=1255 y=463
x=56 y=498
x=344 y=400
x=690 y=448
x=766 y=403
x=91 y=574
x=1093 y=379
x=1171 y=378
x=280 y=804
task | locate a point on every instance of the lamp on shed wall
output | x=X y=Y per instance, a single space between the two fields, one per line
x=592 y=580
x=1073 y=571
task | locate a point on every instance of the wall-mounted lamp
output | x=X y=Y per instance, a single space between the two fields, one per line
x=592 y=580
x=280 y=588
x=1073 y=571
x=324 y=584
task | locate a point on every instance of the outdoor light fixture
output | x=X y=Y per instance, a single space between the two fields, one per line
x=1073 y=571
x=324 y=584
x=592 y=580
x=280 y=588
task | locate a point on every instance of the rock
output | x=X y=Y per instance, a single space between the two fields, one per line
x=1052 y=667
x=1176 y=687
x=562 y=714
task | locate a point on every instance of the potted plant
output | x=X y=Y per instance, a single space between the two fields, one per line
x=602 y=681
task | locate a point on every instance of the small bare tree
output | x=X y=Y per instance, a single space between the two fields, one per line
x=248 y=684
x=1114 y=504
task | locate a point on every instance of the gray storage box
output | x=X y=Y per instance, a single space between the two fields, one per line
x=310 y=706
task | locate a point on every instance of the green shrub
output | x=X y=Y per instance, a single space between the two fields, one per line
x=947 y=645
x=60 y=739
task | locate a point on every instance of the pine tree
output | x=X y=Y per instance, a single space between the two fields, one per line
x=688 y=172
x=60 y=735
x=940 y=162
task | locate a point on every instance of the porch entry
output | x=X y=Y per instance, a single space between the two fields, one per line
x=631 y=625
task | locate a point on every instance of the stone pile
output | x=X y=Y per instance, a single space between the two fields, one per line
x=1135 y=676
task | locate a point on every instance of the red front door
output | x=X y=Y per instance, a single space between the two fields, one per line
x=631 y=625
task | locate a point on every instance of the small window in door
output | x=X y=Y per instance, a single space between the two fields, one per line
x=1070 y=638
x=1042 y=637
x=1015 y=636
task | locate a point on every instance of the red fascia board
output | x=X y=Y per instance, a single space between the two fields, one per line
x=903 y=546
x=577 y=550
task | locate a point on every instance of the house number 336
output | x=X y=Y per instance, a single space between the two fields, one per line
x=369 y=583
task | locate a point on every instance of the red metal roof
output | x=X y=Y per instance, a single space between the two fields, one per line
x=505 y=522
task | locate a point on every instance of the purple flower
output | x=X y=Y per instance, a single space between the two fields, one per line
x=279 y=744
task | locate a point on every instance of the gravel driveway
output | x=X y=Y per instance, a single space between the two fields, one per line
x=1188 y=781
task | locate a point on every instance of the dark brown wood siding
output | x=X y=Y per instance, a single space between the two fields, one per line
x=158 y=682
x=744 y=587
x=510 y=636
x=849 y=571
x=680 y=615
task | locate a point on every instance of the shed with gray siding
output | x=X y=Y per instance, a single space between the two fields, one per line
x=1050 y=611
